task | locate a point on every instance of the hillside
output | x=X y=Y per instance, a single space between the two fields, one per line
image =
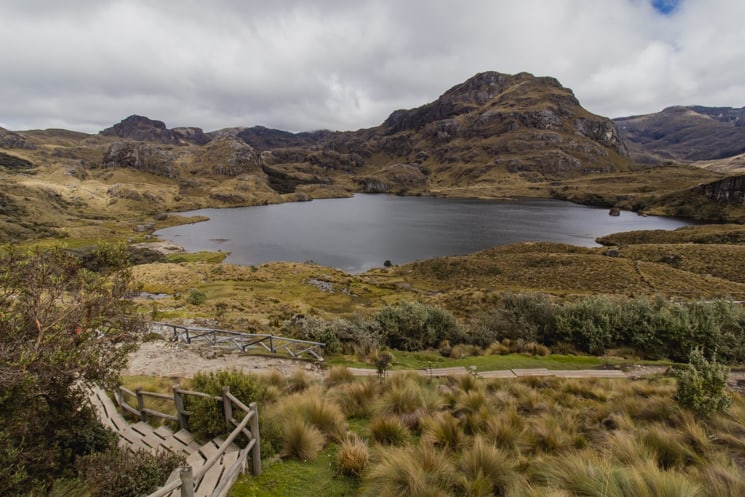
x=693 y=133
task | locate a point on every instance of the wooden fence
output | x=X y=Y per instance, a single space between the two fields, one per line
x=247 y=425
x=243 y=341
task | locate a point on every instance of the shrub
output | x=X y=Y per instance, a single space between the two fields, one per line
x=589 y=324
x=353 y=457
x=417 y=326
x=207 y=418
x=300 y=439
x=702 y=385
x=118 y=473
x=195 y=297
x=525 y=316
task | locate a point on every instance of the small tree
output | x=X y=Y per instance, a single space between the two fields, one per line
x=702 y=385
x=62 y=327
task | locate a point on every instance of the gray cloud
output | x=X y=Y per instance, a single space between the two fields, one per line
x=301 y=65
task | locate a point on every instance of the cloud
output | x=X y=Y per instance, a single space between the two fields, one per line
x=300 y=65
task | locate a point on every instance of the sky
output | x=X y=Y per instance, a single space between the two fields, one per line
x=302 y=65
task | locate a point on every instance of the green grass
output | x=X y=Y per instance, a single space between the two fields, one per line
x=424 y=360
x=204 y=256
x=298 y=478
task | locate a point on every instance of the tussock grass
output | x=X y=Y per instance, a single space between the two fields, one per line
x=415 y=471
x=443 y=430
x=486 y=470
x=339 y=375
x=356 y=399
x=388 y=430
x=353 y=457
x=300 y=439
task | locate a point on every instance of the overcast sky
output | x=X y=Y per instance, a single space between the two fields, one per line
x=347 y=64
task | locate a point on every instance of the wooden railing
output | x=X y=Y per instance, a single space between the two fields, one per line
x=189 y=480
x=243 y=341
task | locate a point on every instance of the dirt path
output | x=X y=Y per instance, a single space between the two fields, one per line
x=177 y=360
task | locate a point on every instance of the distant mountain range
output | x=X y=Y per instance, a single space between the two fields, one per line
x=689 y=134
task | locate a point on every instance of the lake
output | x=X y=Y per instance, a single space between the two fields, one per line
x=359 y=233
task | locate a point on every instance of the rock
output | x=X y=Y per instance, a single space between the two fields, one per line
x=141 y=156
x=9 y=139
x=614 y=211
x=142 y=128
x=229 y=156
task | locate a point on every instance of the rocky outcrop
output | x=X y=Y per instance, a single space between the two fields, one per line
x=730 y=190
x=141 y=128
x=9 y=139
x=191 y=135
x=230 y=156
x=143 y=157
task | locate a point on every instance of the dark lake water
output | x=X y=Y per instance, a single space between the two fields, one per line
x=362 y=232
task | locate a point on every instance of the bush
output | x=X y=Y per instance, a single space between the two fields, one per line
x=590 y=324
x=118 y=473
x=416 y=326
x=195 y=297
x=207 y=419
x=702 y=385
x=525 y=316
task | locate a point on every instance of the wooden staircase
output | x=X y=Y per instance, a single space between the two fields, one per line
x=141 y=436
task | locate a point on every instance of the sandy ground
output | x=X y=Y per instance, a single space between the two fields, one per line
x=176 y=360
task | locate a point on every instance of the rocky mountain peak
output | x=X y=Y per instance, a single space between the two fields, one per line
x=141 y=128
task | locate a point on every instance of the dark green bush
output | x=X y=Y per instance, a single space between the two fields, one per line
x=208 y=418
x=196 y=297
x=418 y=326
x=590 y=324
x=526 y=316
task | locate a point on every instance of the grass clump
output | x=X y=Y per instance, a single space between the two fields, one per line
x=388 y=430
x=301 y=440
x=353 y=457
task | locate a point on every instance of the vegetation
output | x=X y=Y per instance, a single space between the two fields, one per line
x=62 y=328
x=702 y=386
x=527 y=437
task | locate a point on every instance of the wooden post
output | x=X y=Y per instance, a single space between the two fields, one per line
x=187 y=481
x=227 y=407
x=141 y=403
x=178 y=401
x=256 y=449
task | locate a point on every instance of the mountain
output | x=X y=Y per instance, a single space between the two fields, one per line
x=478 y=132
x=688 y=134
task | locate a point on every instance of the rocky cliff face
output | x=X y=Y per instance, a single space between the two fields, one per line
x=143 y=157
x=730 y=190
x=692 y=133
